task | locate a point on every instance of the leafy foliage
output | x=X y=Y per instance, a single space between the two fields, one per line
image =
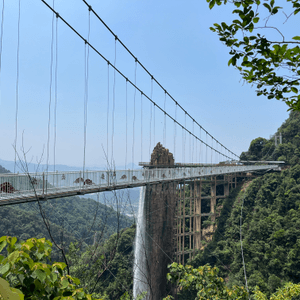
x=205 y=281
x=263 y=59
x=207 y=285
x=271 y=226
x=26 y=268
x=6 y=292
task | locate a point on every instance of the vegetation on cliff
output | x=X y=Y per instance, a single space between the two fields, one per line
x=289 y=151
x=270 y=221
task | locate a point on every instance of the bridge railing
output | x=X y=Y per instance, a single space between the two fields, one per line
x=42 y=184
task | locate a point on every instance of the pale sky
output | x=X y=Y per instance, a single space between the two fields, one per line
x=170 y=38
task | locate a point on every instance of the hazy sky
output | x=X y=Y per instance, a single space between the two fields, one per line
x=170 y=38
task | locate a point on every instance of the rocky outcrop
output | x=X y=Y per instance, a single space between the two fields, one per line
x=160 y=203
x=161 y=157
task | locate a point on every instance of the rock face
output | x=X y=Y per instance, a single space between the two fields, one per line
x=161 y=157
x=160 y=203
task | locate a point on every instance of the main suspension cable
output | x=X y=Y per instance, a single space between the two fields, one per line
x=156 y=81
x=134 y=85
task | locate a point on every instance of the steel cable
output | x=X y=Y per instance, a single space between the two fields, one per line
x=113 y=108
x=17 y=86
x=107 y=112
x=138 y=89
x=144 y=68
x=133 y=123
x=55 y=91
x=1 y=41
x=86 y=89
x=141 y=127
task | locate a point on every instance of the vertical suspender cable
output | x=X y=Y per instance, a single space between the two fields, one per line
x=113 y=108
x=141 y=126
x=190 y=148
x=175 y=131
x=184 y=135
x=86 y=88
x=151 y=95
x=55 y=92
x=1 y=41
x=133 y=123
x=164 y=132
x=183 y=144
x=126 y=137
x=17 y=86
x=107 y=113
x=211 y=151
x=200 y=146
x=50 y=91
x=153 y=125
x=206 y=150
x=193 y=144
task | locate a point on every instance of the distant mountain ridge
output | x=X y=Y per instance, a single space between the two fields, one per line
x=3 y=170
x=32 y=167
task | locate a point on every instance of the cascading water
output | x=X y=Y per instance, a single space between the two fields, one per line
x=140 y=282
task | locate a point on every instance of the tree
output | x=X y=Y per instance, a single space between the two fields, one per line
x=208 y=285
x=205 y=281
x=27 y=271
x=265 y=54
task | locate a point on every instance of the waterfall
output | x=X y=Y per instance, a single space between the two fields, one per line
x=140 y=283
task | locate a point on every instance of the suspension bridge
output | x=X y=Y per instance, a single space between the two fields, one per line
x=79 y=94
x=136 y=117
x=21 y=188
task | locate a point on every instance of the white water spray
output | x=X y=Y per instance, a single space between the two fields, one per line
x=140 y=283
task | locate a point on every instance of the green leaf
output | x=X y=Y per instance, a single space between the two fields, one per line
x=13 y=257
x=2 y=245
x=59 y=265
x=64 y=283
x=40 y=274
x=295 y=90
x=297 y=38
x=4 y=268
x=3 y=238
x=6 y=292
x=267 y=6
x=53 y=277
x=255 y=20
x=212 y=4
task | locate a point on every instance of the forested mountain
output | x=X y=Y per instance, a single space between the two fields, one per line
x=288 y=151
x=71 y=218
x=270 y=220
